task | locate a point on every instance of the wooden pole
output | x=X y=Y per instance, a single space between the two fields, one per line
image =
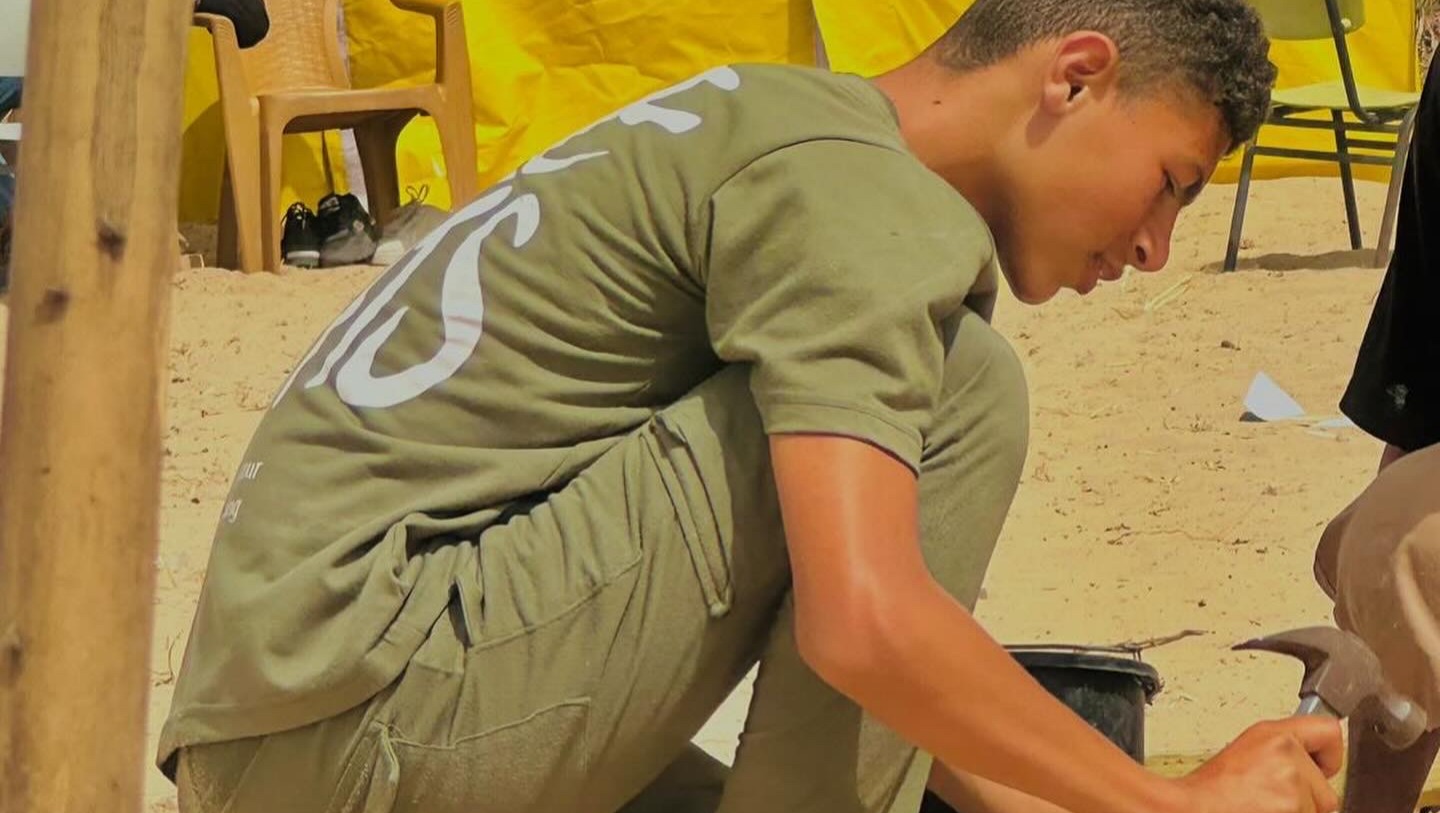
x=80 y=431
x=822 y=56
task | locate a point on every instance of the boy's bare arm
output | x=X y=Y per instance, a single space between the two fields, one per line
x=873 y=623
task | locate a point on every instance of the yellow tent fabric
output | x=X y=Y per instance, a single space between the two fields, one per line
x=544 y=68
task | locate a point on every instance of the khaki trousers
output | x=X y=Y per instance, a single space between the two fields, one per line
x=588 y=640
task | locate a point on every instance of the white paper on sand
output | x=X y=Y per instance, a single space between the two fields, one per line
x=1268 y=402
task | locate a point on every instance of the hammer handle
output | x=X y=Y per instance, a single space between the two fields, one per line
x=1312 y=704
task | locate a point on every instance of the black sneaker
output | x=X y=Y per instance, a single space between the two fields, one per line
x=347 y=233
x=300 y=243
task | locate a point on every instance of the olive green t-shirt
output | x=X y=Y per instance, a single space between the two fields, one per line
x=761 y=215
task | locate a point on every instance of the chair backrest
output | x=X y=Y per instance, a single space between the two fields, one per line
x=1308 y=19
x=14 y=32
x=301 y=49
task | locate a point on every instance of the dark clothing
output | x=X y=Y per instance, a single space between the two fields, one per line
x=251 y=21
x=1394 y=393
x=11 y=90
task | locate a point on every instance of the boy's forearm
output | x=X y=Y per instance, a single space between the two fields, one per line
x=955 y=692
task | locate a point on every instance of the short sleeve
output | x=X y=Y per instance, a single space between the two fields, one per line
x=1394 y=392
x=833 y=269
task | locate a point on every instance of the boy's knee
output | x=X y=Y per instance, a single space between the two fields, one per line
x=983 y=413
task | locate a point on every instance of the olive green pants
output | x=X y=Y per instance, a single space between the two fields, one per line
x=588 y=640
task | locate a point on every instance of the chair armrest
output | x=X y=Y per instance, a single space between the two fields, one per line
x=227 y=54
x=217 y=26
x=452 y=61
x=434 y=8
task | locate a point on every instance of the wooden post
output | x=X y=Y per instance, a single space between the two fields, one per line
x=80 y=434
x=822 y=56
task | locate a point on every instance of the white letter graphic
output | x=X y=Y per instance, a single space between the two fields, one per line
x=641 y=112
x=462 y=308
x=427 y=245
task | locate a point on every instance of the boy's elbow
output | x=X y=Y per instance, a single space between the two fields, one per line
x=855 y=644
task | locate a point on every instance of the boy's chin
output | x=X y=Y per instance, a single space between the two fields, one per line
x=1029 y=290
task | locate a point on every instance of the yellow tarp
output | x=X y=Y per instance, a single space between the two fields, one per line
x=544 y=68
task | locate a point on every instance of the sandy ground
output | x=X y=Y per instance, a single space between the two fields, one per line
x=1147 y=507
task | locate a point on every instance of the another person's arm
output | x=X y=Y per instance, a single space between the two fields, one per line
x=1394 y=395
x=1390 y=455
x=1377 y=561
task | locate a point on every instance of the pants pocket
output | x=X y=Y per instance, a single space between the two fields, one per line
x=533 y=765
x=370 y=777
x=689 y=458
x=209 y=777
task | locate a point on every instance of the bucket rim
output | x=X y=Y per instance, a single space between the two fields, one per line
x=1094 y=658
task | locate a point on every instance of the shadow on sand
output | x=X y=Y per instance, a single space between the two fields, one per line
x=1329 y=261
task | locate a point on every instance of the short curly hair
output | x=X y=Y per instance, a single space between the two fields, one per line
x=1218 y=48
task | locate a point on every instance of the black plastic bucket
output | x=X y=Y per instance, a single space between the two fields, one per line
x=1108 y=688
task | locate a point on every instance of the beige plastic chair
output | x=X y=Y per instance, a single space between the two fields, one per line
x=295 y=81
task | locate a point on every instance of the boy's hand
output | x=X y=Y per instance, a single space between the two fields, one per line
x=1273 y=767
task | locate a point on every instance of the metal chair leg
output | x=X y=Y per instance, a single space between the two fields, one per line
x=1237 y=220
x=1347 y=179
x=1392 y=198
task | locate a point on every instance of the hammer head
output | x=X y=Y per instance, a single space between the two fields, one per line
x=1339 y=668
x=1343 y=673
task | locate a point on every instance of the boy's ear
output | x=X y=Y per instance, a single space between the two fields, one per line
x=1085 y=64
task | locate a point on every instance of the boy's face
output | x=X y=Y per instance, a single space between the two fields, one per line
x=1099 y=186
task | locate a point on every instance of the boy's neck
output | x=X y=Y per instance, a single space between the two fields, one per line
x=955 y=123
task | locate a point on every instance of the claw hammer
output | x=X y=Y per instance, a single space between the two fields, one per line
x=1341 y=675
